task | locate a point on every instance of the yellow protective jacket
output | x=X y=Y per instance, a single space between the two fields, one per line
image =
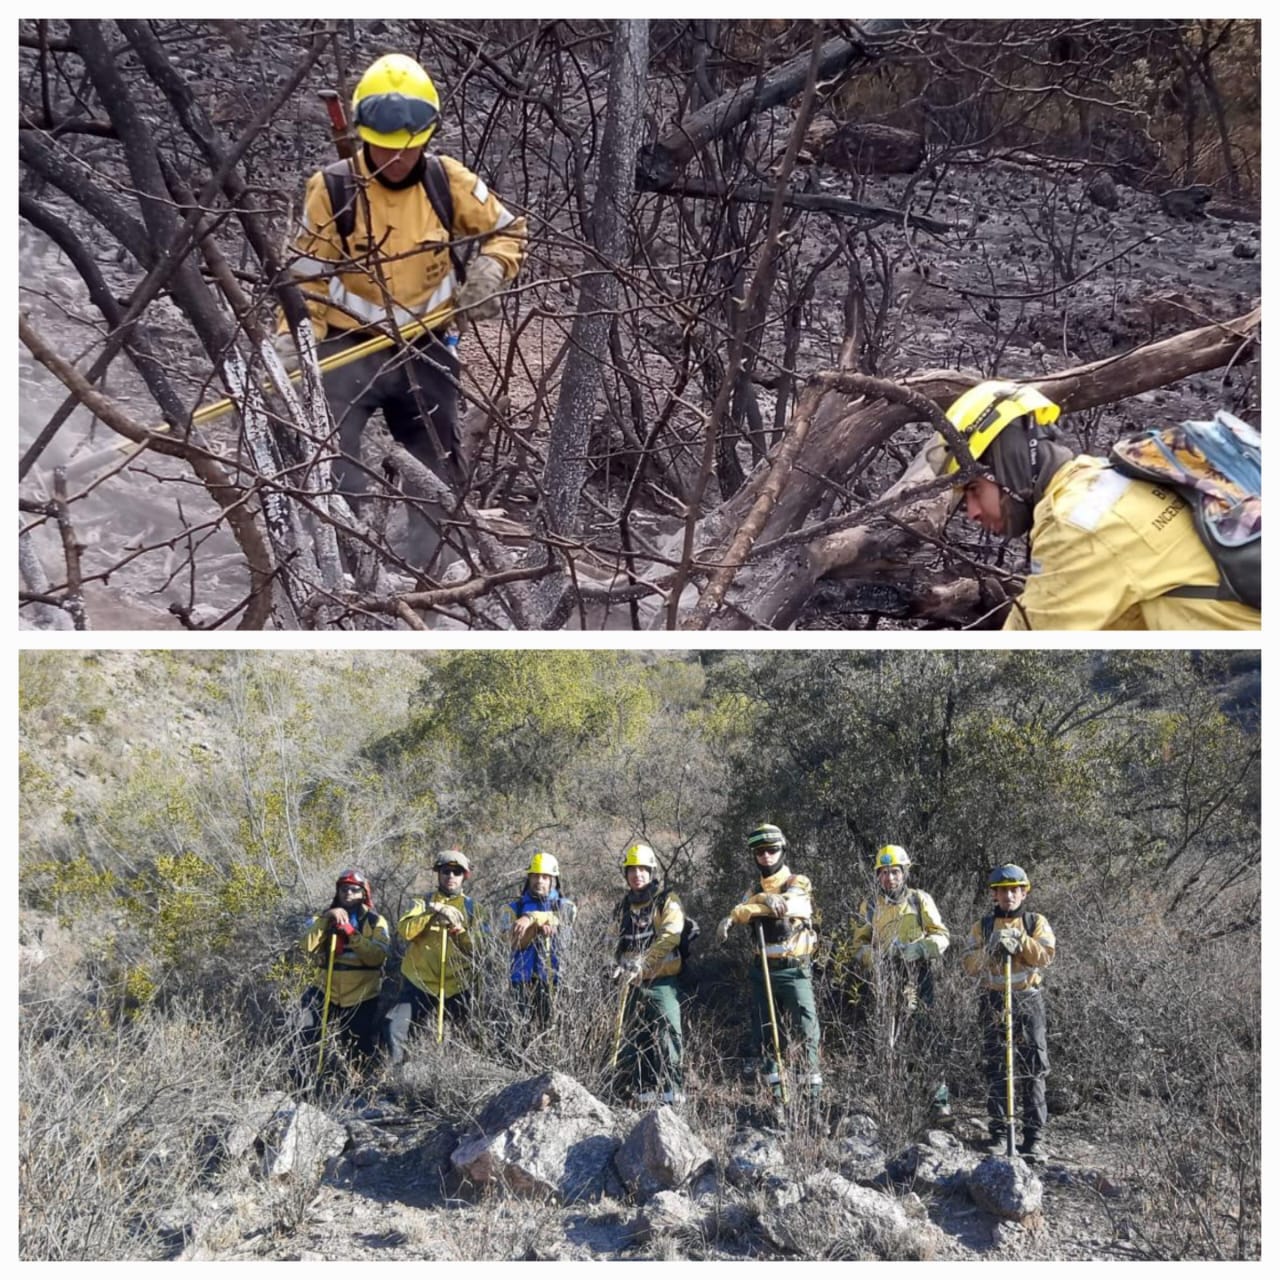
x=425 y=934
x=357 y=968
x=879 y=924
x=788 y=938
x=1036 y=953
x=652 y=931
x=403 y=243
x=1106 y=548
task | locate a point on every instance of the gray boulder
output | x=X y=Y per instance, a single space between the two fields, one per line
x=660 y=1153
x=294 y=1137
x=546 y=1137
x=1006 y=1188
x=667 y=1214
x=939 y=1163
x=835 y=1218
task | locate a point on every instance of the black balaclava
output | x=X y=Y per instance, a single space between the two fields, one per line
x=413 y=176
x=1023 y=471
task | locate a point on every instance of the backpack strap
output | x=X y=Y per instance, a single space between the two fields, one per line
x=340 y=183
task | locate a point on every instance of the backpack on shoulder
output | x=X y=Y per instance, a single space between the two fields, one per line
x=340 y=183
x=1216 y=468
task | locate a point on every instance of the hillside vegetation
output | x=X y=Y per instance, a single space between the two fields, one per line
x=183 y=813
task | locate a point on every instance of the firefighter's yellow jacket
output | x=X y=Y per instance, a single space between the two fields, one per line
x=425 y=933
x=1105 y=549
x=357 y=967
x=652 y=932
x=790 y=937
x=879 y=924
x=1035 y=954
x=403 y=244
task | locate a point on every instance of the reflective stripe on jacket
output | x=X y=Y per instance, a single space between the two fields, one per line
x=1104 y=551
x=653 y=935
x=403 y=243
x=423 y=932
x=357 y=968
x=1036 y=953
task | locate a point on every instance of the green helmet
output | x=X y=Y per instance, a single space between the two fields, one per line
x=891 y=855
x=639 y=855
x=766 y=836
x=1008 y=876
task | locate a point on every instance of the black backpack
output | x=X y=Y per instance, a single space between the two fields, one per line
x=691 y=932
x=340 y=183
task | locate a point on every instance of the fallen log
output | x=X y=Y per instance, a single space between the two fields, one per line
x=658 y=163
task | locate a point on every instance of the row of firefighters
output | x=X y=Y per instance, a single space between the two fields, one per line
x=897 y=936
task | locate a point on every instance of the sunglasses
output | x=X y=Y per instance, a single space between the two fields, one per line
x=451 y=871
x=391 y=112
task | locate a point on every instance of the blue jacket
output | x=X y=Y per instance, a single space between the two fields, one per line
x=529 y=963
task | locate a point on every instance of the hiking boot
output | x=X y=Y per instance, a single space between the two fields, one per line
x=1030 y=1149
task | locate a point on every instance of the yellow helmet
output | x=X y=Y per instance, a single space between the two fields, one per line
x=639 y=855
x=543 y=864
x=395 y=104
x=984 y=411
x=892 y=855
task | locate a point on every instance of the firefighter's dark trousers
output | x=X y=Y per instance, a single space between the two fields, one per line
x=418 y=1008
x=1030 y=1056
x=797 y=1016
x=649 y=1060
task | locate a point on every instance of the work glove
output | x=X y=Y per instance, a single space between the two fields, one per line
x=776 y=903
x=451 y=917
x=741 y=914
x=722 y=930
x=1007 y=941
x=908 y=951
x=478 y=299
x=286 y=350
x=628 y=969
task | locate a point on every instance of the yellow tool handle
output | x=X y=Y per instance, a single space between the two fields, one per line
x=328 y=988
x=773 y=1015
x=1008 y=1046
x=444 y=952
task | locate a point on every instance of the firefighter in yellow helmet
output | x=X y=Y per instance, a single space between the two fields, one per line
x=887 y=960
x=1008 y=929
x=538 y=923
x=650 y=924
x=447 y=923
x=361 y=942
x=376 y=244
x=782 y=906
x=1108 y=552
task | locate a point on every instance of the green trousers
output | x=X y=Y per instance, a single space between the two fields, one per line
x=649 y=1060
x=797 y=1015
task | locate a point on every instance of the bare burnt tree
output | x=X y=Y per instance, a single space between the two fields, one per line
x=763 y=255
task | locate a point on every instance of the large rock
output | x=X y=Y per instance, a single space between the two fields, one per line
x=288 y=1136
x=660 y=1153
x=547 y=1137
x=1006 y=1188
x=835 y=1218
x=938 y=1163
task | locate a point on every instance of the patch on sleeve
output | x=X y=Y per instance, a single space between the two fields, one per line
x=480 y=191
x=1103 y=494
